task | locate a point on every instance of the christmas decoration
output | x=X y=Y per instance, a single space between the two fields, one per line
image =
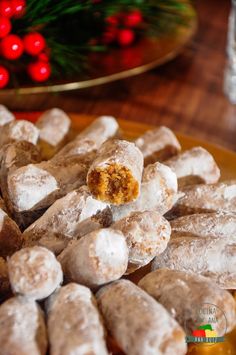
x=39 y=71
x=12 y=47
x=5 y=26
x=4 y=77
x=42 y=39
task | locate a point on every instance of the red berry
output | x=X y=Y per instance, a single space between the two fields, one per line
x=112 y=20
x=5 y=26
x=34 y=43
x=18 y=8
x=12 y=47
x=133 y=18
x=4 y=77
x=5 y=8
x=125 y=37
x=39 y=71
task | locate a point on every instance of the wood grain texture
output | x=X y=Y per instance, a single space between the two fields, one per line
x=185 y=95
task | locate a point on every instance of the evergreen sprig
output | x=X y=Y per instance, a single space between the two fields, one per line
x=69 y=25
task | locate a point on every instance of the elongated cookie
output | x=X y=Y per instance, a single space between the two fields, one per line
x=92 y=137
x=147 y=234
x=72 y=216
x=158 y=145
x=158 y=192
x=211 y=257
x=12 y=157
x=74 y=323
x=54 y=126
x=35 y=187
x=115 y=175
x=194 y=165
x=207 y=198
x=215 y=224
x=19 y=130
x=138 y=323
x=5 y=116
x=34 y=272
x=96 y=259
x=22 y=328
x=183 y=294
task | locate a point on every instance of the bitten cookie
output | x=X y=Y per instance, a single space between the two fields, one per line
x=147 y=234
x=158 y=192
x=72 y=216
x=158 y=145
x=74 y=323
x=211 y=257
x=138 y=323
x=115 y=175
x=22 y=328
x=182 y=294
x=96 y=259
x=196 y=165
x=34 y=272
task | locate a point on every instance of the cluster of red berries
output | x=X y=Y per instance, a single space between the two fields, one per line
x=121 y=28
x=12 y=46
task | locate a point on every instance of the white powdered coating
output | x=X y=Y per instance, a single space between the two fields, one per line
x=216 y=224
x=120 y=152
x=101 y=129
x=53 y=125
x=138 y=323
x=211 y=257
x=22 y=328
x=147 y=234
x=34 y=272
x=62 y=221
x=5 y=116
x=158 y=143
x=95 y=259
x=158 y=192
x=208 y=198
x=29 y=185
x=196 y=162
x=182 y=294
x=74 y=324
x=91 y=138
x=80 y=146
x=19 y=130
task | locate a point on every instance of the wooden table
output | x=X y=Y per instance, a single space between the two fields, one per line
x=185 y=94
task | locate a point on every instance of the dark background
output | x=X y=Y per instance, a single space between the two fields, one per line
x=185 y=95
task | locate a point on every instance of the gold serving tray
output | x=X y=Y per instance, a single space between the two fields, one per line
x=226 y=160
x=118 y=63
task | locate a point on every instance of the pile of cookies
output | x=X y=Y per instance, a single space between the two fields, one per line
x=77 y=217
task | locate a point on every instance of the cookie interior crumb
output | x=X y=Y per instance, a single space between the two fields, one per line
x=113 y=183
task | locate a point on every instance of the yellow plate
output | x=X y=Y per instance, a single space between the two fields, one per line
x=119 y=63
x=227 y=163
